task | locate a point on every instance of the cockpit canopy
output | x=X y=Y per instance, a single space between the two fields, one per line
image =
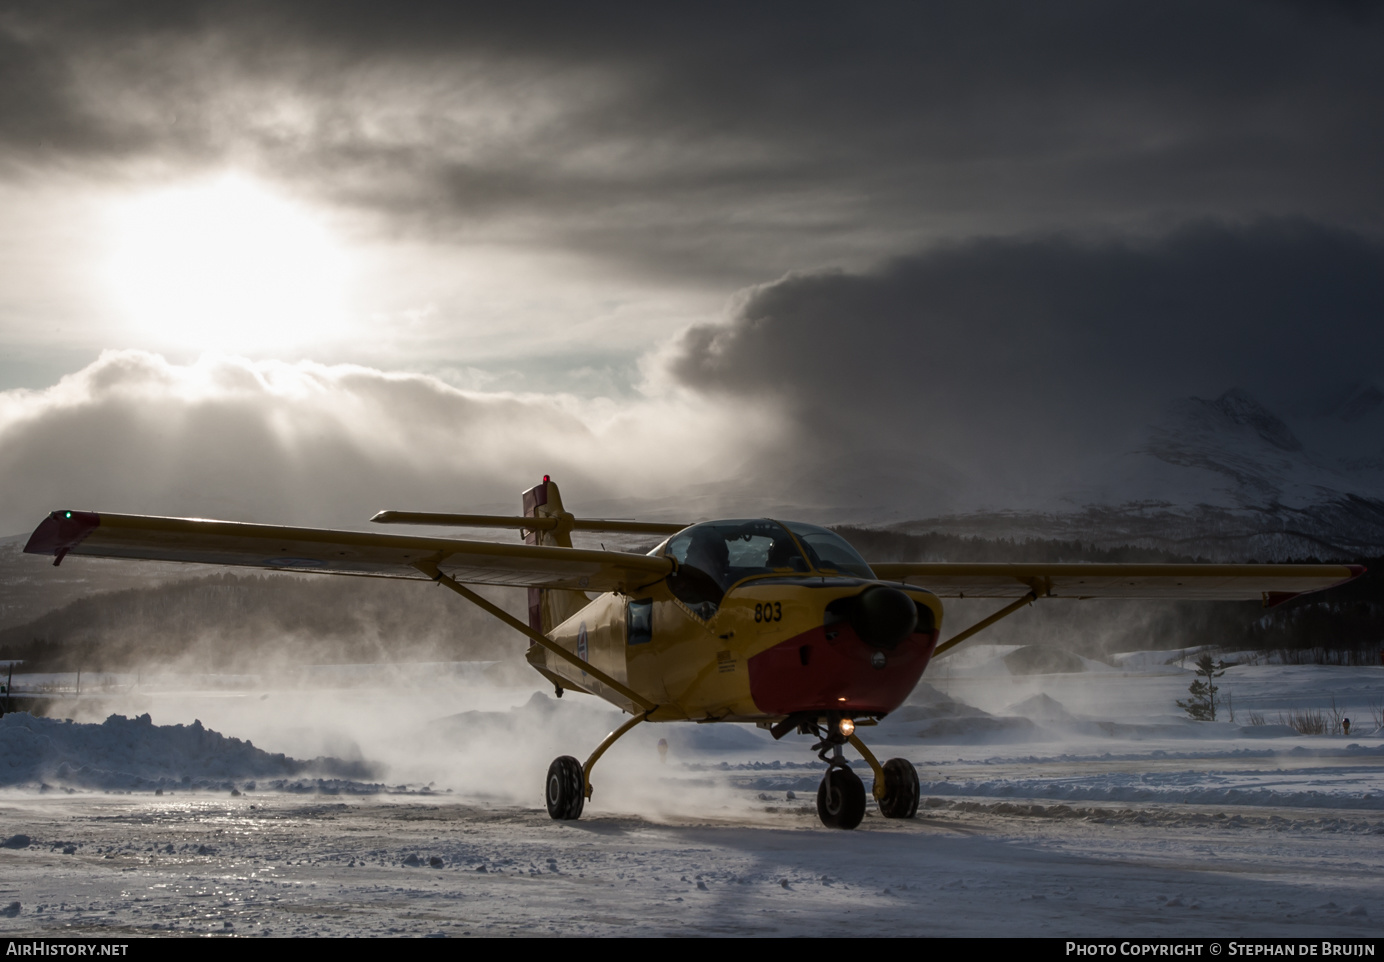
x=714 y=555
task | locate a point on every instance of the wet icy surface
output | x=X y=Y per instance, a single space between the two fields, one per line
x=291 y=866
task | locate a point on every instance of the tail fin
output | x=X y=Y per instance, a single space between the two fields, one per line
x=550 y=607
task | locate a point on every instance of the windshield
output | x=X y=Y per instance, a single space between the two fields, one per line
x=730 y=550
x=827 y=550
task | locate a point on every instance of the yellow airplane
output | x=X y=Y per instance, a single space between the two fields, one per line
x=774 y=623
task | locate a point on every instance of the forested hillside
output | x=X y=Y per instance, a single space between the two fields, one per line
x=231 y=619
x=1345 y=619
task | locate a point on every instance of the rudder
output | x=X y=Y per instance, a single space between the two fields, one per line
x=550 y=607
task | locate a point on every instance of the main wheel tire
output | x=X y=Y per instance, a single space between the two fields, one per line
x=900 y=789
x=566 y=791
x=841 y=799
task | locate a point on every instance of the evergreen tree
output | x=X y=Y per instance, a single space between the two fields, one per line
x=1202 y=704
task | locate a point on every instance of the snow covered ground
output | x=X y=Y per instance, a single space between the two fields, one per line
x=1074 y=804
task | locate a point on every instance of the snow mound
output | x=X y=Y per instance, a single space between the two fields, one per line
x=937 y=717
x=1158 y=661
x=1042 y=708
x=1046 y=660
x=928 y=702
x=975 y=731
x=134 y=753
x=717 y=738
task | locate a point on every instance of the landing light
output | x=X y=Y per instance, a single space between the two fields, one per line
x=846 y=727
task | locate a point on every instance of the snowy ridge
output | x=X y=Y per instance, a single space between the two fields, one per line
x=1223 y=479
x=134 y=753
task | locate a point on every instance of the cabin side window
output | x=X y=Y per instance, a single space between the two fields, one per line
x=640 y=619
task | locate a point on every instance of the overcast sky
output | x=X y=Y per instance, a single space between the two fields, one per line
x=343 y=256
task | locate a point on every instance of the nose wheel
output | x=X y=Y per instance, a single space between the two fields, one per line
x=841 y=794
x=841 y=799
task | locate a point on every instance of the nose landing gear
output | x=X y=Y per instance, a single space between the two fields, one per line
x=841 y=794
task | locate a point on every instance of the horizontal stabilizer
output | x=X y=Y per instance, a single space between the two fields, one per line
x=567 y=522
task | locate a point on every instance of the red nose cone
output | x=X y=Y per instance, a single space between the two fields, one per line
x=815 y=672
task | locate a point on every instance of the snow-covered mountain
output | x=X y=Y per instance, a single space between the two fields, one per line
x=1223 y=478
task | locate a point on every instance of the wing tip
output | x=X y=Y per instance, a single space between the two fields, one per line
x=62 y=531
x=1272 y=599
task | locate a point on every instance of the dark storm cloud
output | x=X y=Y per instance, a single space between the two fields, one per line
x=1035 y=351
x=732 y=138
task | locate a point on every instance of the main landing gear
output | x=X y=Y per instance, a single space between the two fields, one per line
x=566 y=794
x=569 y=781
x=841 y=795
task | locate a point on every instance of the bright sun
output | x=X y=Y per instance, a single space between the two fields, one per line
x=226 y=265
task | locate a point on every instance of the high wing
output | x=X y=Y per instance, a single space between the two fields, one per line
x=1273 y=584
x=339 y=552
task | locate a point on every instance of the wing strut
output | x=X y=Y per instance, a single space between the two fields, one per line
x=984 y=623
x=610 y=739
x=432 y=571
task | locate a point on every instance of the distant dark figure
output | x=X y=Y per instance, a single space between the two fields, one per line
x=1345 y=726
x=708 y=553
